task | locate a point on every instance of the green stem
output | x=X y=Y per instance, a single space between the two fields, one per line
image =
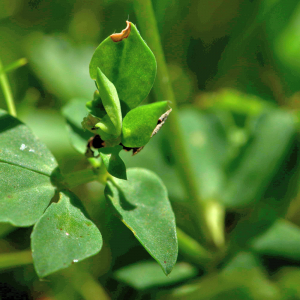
x=15 y=65
x=192 y=250
x=80 y=177
x=86 y=285
x=164 y=91
x=15 y=259
x=7 y=92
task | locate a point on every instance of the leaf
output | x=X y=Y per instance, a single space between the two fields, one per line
x=147 y=274
x=74 y=112
x=271 y=143
x=112 y=161
x=207 y=147
x=61 y=65
x=143 y=206
x=110 y=100
x=280 y=240
x=63 y=236
x=139 y=123
x=129 y=64
x=27 y=168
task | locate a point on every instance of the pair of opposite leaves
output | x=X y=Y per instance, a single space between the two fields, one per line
x=124 y=69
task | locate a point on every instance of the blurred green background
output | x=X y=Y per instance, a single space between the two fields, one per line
x=235 y=69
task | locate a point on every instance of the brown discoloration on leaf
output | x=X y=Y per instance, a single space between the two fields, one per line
x=117 y=37
x=161 y=121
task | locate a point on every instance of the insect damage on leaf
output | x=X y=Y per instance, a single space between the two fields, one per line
x=161 y=121
x=117 y=37
x=94 y=142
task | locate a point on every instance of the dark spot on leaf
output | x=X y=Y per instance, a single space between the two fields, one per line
x=60 y=228
x=9 y=196
x=81 y=236
x=47 y=218
x=165 y=262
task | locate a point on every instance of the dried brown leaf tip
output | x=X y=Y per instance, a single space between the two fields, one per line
x=117 y=37
x=161 y=121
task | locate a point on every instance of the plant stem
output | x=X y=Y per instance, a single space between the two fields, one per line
x=80 y=177
x=192 y=250
x=7 y=92
x=164 y=91
x=86 y=285
x=15 y=259
x=15 y=65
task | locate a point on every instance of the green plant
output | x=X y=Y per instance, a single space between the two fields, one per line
x=62 y=233
x=229 y=164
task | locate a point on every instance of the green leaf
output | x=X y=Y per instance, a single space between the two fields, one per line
x=27 y=168
x=288 y=280
x=112 y=161
x=63 y=236
x=208 y=149
x=74 y=112
x=280 y=240
x=110 y=101
x=61 y=65
x=147 y=274
x=143 y=206
x=271 y=143
x=139 y=123
x=129 y=64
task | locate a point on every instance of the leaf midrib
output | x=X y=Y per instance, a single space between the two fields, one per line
x=26 y=168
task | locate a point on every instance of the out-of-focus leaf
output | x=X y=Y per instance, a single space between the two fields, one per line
x=207 y=146
x=281 y=27
x=112 y=161
x=147 y=274
x=234 y=101
x=271 y=142
x=61 y=66
x=242 y=279
x=280 y=240
x=288 y=280
x=129 y=64
x=74 y=112
x=143 y=206
x=63 y=236
x=139 y=123
x=26 y=166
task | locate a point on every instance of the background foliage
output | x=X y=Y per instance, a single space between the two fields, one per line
x=235 y=70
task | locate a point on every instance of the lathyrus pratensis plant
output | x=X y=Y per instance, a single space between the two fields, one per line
x=124 y=69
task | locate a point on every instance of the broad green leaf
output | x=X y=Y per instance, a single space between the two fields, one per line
x=129 y=64
x=271 y=143
x=280 y=240
x=27 y=168
x=147 y=274
x=143 y=206
x=74 y=112
x=63 y=236
x=110 y=100
x=112 y=161
x=139 y=123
